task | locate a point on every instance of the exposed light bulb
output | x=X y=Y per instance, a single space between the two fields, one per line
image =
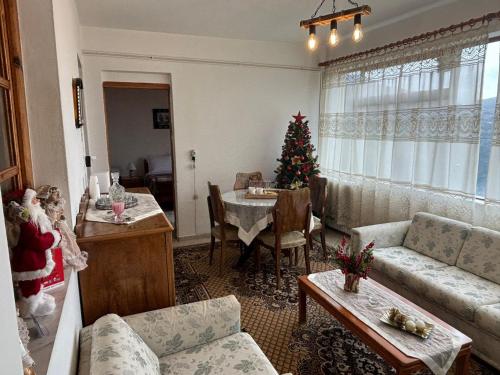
x=334 y=36
x=312 y=42
x=357 y=34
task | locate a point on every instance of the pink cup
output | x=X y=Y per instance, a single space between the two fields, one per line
x=118 y=208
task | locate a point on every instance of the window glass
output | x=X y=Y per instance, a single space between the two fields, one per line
x=490 y=90
x=5 y=137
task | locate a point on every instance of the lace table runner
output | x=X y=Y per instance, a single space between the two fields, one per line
x=438 y=351
x=146 y=207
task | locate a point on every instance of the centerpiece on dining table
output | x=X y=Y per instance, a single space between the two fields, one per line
x=354 y=266
x=260 y=189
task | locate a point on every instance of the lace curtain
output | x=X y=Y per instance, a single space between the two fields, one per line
x=491 y=205
x=399 y=133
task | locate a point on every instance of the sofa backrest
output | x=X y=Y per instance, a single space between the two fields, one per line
x=437 y=237
x=118 y=349
x=481 y=254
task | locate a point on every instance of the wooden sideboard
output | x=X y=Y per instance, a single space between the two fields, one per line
x=130 y=267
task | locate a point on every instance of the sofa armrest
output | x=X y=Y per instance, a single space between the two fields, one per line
x=384 y=235
x=170 y=330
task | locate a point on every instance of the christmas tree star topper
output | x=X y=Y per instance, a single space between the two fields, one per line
x=299 y=117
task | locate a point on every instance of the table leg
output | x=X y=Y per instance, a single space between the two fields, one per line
x=246 y=254
x=302 y=305
x=462 y=363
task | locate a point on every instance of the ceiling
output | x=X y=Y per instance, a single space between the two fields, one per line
x=268 y=20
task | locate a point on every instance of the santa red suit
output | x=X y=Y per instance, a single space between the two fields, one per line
x=32 y=258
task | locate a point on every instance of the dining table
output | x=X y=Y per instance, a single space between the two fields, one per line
x=250 y=215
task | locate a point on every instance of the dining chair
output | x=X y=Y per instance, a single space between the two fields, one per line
x=243 y=179
x=318 y=188
x=290 y=230
x=219 y=229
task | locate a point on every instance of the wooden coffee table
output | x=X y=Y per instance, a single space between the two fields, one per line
x=392 y=355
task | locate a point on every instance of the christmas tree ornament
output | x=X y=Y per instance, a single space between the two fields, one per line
x=297 y=162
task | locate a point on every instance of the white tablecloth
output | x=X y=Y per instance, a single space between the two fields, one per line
x=438 y=351
x=251 y=216
x=146 y=207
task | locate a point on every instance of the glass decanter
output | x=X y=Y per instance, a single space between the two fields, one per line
x=117 y=197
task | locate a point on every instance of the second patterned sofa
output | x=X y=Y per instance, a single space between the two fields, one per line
x=197 y=338
x=448 y=267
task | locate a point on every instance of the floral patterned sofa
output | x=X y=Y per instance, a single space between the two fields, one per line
x=197 y=338
x=448 y=267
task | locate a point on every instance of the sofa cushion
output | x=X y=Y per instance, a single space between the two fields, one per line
x=398 y=261
x=457 y=290
x=481 y=254
x=488 y=318
x=116 y=348
x=438 y=237
x=174 y=329
x=235 y=354
x=85 y=348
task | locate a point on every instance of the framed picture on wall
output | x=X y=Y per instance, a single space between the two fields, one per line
x=161 y=118
x=78 y=102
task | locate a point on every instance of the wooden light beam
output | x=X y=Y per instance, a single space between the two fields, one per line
x=343 y=15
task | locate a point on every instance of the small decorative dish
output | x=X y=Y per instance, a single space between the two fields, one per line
x=407 y=323
x=104 y=203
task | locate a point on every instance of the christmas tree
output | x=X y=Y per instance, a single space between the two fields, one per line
x=297 y=162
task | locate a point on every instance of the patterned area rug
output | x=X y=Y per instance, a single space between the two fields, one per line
x=321 y=346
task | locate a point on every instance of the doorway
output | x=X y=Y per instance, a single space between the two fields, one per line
x=139 y=130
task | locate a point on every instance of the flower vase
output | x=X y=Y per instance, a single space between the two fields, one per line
x=351 y=283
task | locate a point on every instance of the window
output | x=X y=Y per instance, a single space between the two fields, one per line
x=15 y=159
x=490 y=90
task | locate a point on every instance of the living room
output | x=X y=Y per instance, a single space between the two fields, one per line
x=351 y=219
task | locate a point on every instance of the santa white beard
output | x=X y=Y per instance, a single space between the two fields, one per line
x=39 y=217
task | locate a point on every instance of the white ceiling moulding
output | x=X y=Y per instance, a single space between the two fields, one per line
x=140 y=56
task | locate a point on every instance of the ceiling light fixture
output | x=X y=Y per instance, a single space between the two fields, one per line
x=332 y=19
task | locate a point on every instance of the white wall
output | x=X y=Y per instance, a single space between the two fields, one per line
x=131 y=136
x=441 y=14
x=67 y=38
x=50 y=40
x=232 y=101
x=42 y=94
x=10 y=353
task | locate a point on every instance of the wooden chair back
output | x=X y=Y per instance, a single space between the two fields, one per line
x=210 y=212
x=292 y=211
x=216 y=203
x=243 y=179
x=318 y=188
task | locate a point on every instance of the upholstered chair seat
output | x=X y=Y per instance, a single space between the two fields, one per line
x=288 y=240
x=230 y=231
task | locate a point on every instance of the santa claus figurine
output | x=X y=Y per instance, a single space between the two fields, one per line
x=32 y=258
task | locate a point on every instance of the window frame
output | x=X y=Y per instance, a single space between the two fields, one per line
x=12 y=81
